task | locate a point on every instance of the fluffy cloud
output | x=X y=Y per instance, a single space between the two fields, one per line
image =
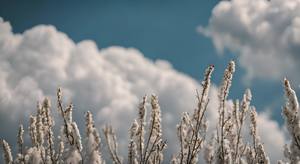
x=264 y=34
x=110 y=82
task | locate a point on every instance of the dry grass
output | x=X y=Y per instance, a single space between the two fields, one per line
x=146 y=143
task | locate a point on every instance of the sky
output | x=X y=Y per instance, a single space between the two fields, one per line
x=107 y=54
x=160 y=30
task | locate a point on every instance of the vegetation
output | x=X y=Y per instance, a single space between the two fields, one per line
x=146 y=143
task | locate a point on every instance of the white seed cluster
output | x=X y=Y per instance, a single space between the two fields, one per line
x=146 y=144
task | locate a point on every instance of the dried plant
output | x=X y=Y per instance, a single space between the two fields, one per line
x=257 y=153
x=224 y=156
x=93 y=142
x=191 y=132
x=146 y=144
x=112 y=144
x=8 y=159
x=292 y=119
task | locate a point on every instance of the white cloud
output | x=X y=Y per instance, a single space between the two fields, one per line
x=270 y=133
x=264 y=34
x=109 y=82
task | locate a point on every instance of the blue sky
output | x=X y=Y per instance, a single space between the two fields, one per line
x=159 y=29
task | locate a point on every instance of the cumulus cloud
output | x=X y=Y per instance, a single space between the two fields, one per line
x=109 y=82
x=264 y=34
x=270 y=133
